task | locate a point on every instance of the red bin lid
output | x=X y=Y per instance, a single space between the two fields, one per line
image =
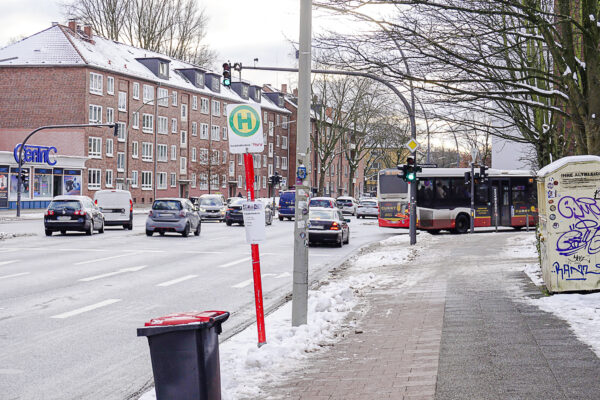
x=193 y=317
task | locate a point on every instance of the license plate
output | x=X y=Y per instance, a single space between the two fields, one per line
x=64 y=218
x=317 y=227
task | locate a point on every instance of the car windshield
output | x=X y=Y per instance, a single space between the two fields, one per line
x=211 y=202
x=166 y=205
x=64 y=204
x=237 y=202
x=344 y=202
x=320 y=203
x=320 y=214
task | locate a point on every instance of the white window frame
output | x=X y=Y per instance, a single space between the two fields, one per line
x=94 y=179
x=135 y=120
x=271 y=150
x=174 y=125
x=96 y=81
x=284 y=142
x=121 y=132
x=184 y=112
x=148 y=95
x=147 y=123
x=162 y=125
x=224 y=130
x=183 y=165
x=203 y=156
x=110 y=85
x=231 y=168
x=203 y=131
x=194 y=154
x=136 y=91
x=94 y=147
x=264 y=161
x=215 y=133
x=284 y=122
x=216 y=108
x=161 y=180
x=162 y=152
x=110 y=115
x=122 y=101
x=284 y=163
x=135 y=149
x=264 y=182
x=173 y=98
x=204 y=105
x=183 y=139
x=173 y=152
x=163 y=98
x=224 y=157
x=214 y=182
x=203 y=181
x=271 y=130
x=134 y=179
x=194 y=102
x=147 y=151
x=240 y=182
x=95 y=111
x=108 y=178
x=110 y=148
x=146 y=180
x=173 y=179
x=277 y=141
x=194 y=128
x=276 y=161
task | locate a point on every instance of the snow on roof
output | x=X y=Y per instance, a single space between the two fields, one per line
x=564 y=161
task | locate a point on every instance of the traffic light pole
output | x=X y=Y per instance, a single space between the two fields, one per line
x=412 y=222
x=472 y=197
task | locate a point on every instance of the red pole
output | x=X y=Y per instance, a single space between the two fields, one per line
x=258 y=298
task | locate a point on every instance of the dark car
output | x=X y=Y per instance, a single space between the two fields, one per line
x=173 y=215
x=234 y=214
x=73 y=213
x=327 y=225
x=287 y=201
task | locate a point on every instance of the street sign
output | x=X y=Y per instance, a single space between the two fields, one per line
x=254 y=221
x=412 y=145
x=245 y=129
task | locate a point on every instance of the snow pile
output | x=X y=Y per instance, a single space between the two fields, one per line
x=534 y=273
x=521 y=246
x=7 y=235
x=581 y=311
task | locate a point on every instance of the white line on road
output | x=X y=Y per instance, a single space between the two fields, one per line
x=174 y=281
x=104 y=259
x=247 y=282
x=8 y=262
x=230 y=264
x=284 y=275
x=14 y=275
x=121 y=271
x=87 y=308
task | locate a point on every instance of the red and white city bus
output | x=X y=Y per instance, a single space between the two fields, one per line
x=506 y=198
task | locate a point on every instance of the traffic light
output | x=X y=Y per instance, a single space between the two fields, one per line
x=411 y=174
x=467 y=178
x=226 y=74
x=483 y=173
x=116 y=130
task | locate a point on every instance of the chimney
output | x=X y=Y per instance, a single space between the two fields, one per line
x=87 y=30
x=73 y=25
x=284 y=88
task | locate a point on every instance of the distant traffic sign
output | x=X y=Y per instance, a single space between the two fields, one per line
x=412 y=145
x=245 y=129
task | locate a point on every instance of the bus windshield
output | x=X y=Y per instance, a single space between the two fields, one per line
x=392 y=184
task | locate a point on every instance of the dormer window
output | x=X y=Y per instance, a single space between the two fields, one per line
x=257 y=96
x=199 y=79
x=163 y=69
x=245 y=91
x=158 y=66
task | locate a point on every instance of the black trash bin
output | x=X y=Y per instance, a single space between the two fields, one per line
x=184 y=349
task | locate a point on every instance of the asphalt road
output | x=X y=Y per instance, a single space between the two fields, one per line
x=70 y=305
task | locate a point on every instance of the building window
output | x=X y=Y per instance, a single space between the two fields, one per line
x=240 y=159
x=264 y=182
x=173 y=125
x=203 y=105
x=182 y=165
x=264 y=161
x=162 y=152
x=240 y=182
x=276 y=119
x=194 y=129
x=146 y=180
x=174 y=99
x=284 y=142
x=214 y=159
x=194 y=102
x=277 y=142
x=134 y=179
x=231 y=168
x=265 y=118
x=110 y=85
x=204 y=156
x=146 y=151
x=224 y=158
x=163 y=98
x=148 y=94
x=214 y=135
x=284 y=164
x=96 y=83
x=173 y=179
x=203 y=181
x=216 y=108
x=284 y=122
x=173 y=152
x=270 y=169
x=109 y=178
x=94 y=178
x=134 y=150
x=203 y=131
x=135 y=123
x=110 y=115
x=95 y=114
x=270 y=149
x=193 y=180
x=95 y=147
x=276 y=161
x=224 y=109
x=161 y=180
x=214 y=181
x=270 y=128
x=162 y=125
x=194 y=155
x=109 y=147
x=184 y=112
x=122 y=101
x=147 y=123
x=183 y=140
x=121 y=132
x=224 y=130
x=136 y=92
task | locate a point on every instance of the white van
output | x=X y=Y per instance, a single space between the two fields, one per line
x=117 y=207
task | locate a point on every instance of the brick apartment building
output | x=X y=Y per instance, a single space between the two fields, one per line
x=172 y=138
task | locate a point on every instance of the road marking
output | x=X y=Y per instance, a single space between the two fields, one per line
x=104 y=259
x=284 y=275
x=8 y=262
x=86 y=309
x=121 y=271
x=174 y=281
x=14 y=275
x=247 y=282
x=230 y=264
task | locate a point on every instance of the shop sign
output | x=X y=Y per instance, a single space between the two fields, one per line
x=37 y=154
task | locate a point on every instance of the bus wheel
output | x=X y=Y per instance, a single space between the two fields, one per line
x=462 y=224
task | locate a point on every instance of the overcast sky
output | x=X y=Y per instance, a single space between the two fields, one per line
x=239 y=30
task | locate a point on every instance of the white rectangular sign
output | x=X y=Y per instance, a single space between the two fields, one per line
x=254 y=221
x=245 y=128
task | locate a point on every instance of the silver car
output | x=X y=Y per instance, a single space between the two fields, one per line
x=367 y=208
x=173 y=215
x=211 y=207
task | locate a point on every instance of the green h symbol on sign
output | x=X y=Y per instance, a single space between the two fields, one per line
x=245 y=120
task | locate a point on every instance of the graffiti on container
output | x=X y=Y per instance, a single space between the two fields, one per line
x=583 y=235
x=575 y=272
x=583 y=207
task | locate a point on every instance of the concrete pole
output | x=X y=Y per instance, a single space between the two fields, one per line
x=300 y=287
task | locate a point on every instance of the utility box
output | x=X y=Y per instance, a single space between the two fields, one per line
x=569 y=218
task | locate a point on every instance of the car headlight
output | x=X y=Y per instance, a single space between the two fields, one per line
x=202 y=209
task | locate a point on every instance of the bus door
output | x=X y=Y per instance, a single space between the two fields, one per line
x=502 y=187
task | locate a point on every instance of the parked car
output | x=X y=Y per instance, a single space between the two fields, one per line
x=211 y=207
x=347 y=204
x=116 y=206
x=367 y=208
x=325 y=202
x=287 y=201
x=234 y=214
x=173 y=215
x=73 y=213
x=326 y=225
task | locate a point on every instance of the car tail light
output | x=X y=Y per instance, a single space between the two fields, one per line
x=335 y=227
x=130 y=205
x=230 y=209
x=96 y=202
x=49 y=212
x=80 y=212
x=182 y=213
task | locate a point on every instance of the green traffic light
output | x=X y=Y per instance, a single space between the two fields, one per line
x=226 y=82
x=410 y=176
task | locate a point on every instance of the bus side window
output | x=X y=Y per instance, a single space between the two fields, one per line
x=442 y=188
x=425 y=192
x=482 y=194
